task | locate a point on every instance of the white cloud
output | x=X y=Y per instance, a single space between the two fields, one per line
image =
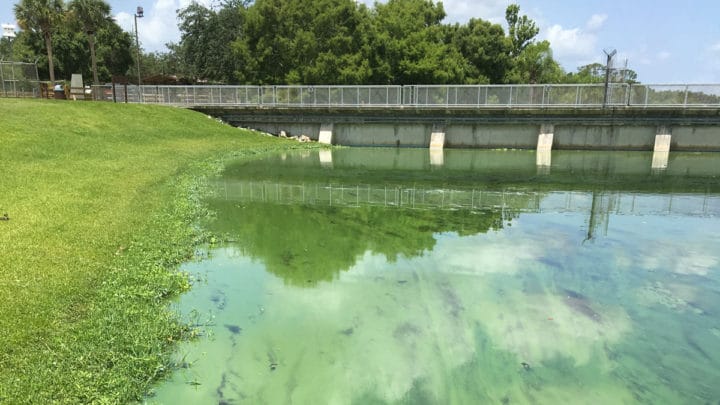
x=571 y=43
x=715 y=47
x=596 y=21
x=575 y=46
x=461 y=11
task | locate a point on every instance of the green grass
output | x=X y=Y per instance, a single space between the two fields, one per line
x=103 y=200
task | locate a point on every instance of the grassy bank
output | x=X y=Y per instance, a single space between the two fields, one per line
x=101 y=200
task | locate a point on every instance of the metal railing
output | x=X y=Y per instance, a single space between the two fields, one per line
x=515 y=95
x=424 y=96
x=272 y=96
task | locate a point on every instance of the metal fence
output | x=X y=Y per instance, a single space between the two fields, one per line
x=425 y=96
x=515 y=95
x=276 y=96
x=18 y=79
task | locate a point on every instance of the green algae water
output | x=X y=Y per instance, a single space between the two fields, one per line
x=384 y=276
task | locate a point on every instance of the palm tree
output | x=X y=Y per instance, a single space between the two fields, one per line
x=91 y=14
x=41 y=16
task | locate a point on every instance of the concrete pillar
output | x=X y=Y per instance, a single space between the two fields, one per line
x=661 y=151
x=325 y=135
x=437 y=138
x=543 y=155
x=545 y=138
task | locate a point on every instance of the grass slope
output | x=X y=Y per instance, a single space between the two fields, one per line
x=101 y=198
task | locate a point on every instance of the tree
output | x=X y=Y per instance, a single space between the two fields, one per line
x=6 y=48
x=521 y=29
x=595 y=73
x=410 y=46
x=485 y=49
x=304 y=41
x=535 y=64
x=41 y=16
x=206 y=39
x=113 y=47
x=91 y=15
x=343 y=42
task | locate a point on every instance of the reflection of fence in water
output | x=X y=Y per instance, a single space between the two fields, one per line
x=509 y=200
x=366 y=195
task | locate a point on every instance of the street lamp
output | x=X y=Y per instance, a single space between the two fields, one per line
x=607 y=73
x=138 y=14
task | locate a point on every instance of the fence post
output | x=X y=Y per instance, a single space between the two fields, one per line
x=628 y=95
x=2 y=77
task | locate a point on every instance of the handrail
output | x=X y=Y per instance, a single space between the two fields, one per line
x=423 y=96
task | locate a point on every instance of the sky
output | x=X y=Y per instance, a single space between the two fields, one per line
x=664 y=41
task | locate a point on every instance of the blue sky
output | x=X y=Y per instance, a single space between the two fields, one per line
x=664 y=41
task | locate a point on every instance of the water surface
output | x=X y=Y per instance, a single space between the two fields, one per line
x=391 y=276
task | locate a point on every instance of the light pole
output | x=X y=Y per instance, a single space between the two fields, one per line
x=138 y=14
x=607 y=73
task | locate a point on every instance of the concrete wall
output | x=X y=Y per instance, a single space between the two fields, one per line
x=692 y=138
x=493 y=136
x=379 y=134
x=621 y=137
x=501 y=136
x=601 y=129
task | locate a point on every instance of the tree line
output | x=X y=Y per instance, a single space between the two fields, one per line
x=295 y=42
x=65 y=38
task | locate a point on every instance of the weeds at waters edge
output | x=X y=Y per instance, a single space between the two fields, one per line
x=103 y=209
x=136 y=291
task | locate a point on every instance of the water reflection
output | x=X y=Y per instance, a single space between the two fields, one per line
x=399 y=217
x=660 y=160
x=387 y=279
x=294 y=241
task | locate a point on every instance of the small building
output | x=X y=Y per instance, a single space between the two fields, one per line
x=8 y=31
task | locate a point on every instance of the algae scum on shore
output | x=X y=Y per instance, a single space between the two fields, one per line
x=383 y=279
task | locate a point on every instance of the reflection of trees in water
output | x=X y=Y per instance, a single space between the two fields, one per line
x=305 y=245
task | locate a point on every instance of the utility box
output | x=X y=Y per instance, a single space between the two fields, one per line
x=77 y=90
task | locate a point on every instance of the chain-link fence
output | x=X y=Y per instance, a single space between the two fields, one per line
x=548 y=95
x=281 y=96
x=675 y=95
x=423 y=96
x=18 y=79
